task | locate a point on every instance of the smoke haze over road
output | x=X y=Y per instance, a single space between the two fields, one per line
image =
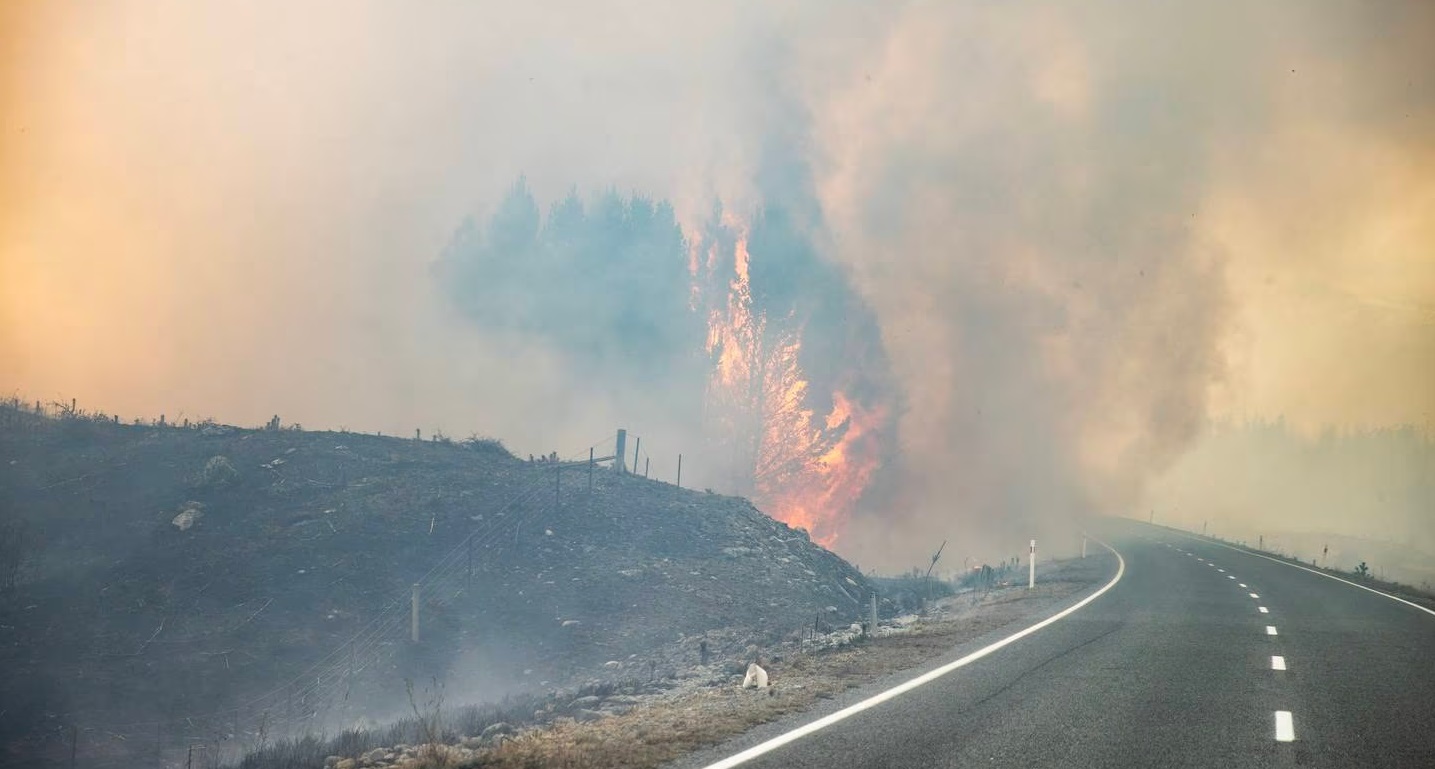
x=1076 y=236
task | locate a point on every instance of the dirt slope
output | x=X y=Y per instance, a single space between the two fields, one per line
x=161 y=584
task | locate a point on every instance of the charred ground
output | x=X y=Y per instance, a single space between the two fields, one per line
x=284 y=604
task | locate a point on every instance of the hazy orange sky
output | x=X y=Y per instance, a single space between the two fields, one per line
x=230 y=209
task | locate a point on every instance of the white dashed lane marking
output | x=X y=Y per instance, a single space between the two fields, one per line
x=1285 y=728
x=1285 y=725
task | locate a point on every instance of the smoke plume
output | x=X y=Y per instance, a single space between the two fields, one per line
x=1019 y=254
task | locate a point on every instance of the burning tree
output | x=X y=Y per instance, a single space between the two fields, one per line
x=745 y=320
x=799 y=383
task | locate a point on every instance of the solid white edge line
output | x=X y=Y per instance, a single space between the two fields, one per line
x=1285 y=728
x=851 y=710
x=1319 y=573
x=1270 y=630
x=1278 y=662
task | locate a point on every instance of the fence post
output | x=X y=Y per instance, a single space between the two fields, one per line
x=621 y=450
x=638 y=444
x=590 y=470
x=874 y=613
x=680 y=471
x=646 y=464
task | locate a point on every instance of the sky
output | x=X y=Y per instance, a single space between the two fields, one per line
x=1086 y=232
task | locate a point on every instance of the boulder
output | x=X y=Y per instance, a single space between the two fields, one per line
x=189 y=515
x=756 y=677
x=496 y=730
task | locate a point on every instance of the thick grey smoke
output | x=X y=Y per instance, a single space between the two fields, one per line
x=1049 y=306
x=1022 y=190
x=1079 y=230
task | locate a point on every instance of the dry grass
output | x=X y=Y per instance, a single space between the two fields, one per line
x=656 y=733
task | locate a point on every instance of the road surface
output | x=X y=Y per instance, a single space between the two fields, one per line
x=1200 y=655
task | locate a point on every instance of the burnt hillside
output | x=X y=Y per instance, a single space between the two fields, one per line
x=245 y=583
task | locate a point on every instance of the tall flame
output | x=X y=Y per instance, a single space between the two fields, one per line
x=805 y=468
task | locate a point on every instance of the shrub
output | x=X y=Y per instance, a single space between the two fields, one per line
x=490 y=445
x=218 y=472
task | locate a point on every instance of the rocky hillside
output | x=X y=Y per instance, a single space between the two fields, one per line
x=231 y=585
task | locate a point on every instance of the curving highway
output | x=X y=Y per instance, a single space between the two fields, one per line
x=1198 y=654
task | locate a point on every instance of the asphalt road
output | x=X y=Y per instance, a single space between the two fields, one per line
x=1173 y=666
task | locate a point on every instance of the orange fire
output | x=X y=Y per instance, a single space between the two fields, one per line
x=804 y=468
x=821 y=494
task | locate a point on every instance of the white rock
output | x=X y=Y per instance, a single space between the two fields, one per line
x=756 y=677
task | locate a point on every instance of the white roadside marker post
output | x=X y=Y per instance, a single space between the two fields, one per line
x=1031 y=567
x=1083 y=546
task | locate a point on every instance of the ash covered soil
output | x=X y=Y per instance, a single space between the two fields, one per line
x=162 y=584
x=702 y=713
